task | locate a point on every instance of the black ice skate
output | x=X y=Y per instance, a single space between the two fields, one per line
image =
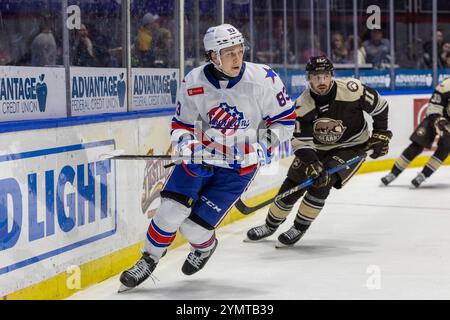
x=388 y=178
x=138 y=273
x=260 y=232
x=196 y=260
x=289 y=238
x=417 y=181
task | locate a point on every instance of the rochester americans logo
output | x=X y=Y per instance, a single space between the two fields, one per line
x=227 y=119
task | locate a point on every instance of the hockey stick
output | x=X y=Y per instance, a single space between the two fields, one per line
x=117 y=155
x=244 y=209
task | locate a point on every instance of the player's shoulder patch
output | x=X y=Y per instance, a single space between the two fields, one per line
x=352 y=86
x=348 y=89
x=304 y=104
x=195 y=91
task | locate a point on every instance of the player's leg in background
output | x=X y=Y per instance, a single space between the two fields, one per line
x=408 y=155
x=435 y=161
x=280 y=209
x=310 y=207
x=421 y=138
x=314 y=199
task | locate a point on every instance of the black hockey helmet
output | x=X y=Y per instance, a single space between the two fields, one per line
x=318 y=64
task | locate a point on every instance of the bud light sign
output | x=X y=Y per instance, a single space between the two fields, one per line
x=55 y=200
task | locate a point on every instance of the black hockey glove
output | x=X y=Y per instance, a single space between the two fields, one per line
x=442 y=125
x=317 y=171
x=379 y=142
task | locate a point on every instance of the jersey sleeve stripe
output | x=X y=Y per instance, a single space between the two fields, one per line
x=287 y=119
x=287 y=113
x=177 y=124
x=379 y=110
x=434 y=109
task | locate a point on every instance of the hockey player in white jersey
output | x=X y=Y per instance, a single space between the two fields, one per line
x=221 y=109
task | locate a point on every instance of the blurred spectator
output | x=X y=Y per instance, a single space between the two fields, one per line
x=43 y=47
x=444 y=54
x=102 y=44
x=84 y=53
x=339 y=52
x=428 y=50
x=377 y=49
x=5 y=56
x=143 y=49
x=361 y=51
x=446 y=62
x=163 y=47
x=310 y=52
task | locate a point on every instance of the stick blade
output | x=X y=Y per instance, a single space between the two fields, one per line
x=280 y=245
x=111 y=154
x=123 y=288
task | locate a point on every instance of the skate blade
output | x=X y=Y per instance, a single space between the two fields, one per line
x=247 y=240
x=280 y=245
x=123 y=288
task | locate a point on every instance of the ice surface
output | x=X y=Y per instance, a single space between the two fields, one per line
x=369 y=242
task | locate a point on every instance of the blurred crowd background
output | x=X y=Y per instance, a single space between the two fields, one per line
x=280 y=33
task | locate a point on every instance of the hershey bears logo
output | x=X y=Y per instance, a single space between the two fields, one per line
x=328 y=131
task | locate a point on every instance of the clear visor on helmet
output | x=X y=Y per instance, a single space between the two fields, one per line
x=231 y=52
x=320 y=75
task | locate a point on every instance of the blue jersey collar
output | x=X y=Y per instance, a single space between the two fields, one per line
x=215 y=82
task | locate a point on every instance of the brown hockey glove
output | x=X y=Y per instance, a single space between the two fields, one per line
x=379 y=142
x=442 y=125
x=317 y=171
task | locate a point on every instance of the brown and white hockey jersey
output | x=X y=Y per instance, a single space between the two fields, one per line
x=440 y=100
x=336 y=120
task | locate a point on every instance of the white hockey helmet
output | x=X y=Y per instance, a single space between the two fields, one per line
x=222 y=36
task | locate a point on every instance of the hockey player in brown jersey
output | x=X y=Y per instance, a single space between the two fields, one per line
x=330 y=131
x=436 y=122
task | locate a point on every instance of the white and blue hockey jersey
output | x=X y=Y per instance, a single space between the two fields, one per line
x=231 y=112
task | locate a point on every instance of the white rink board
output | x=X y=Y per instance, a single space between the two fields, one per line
x=98 y=90
x=49 y=236
x=32 y=93
x=154 y=88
